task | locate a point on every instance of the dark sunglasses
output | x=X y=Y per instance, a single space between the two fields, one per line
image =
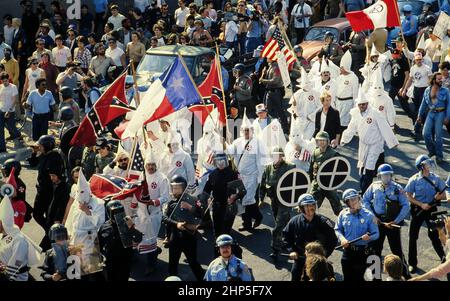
x=123 y=160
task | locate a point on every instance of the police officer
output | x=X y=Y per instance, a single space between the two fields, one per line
x=424 y=190
x=55 y=262
x=322 y=153
x=68 y=101
x=307 y=227
x=227 y=267
x=118 y=257
x=355 y=222
x=50 y=158
x=296 y=71
x=104 y=154
x=331 y=50
x=387 y=200
x=181 y=235
x=273 y=98
x=281 y=213
x=242 y=91
x=224 y=205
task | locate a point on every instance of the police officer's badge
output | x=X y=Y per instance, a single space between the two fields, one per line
x=369 y=120
x=153 y=185
x=362 y=221
x=178 y=164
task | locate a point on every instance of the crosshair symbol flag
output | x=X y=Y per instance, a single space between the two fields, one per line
x=333 y=173
x=291 y=186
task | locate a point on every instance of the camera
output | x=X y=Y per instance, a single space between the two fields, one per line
x=243 y=18
x=438 y=219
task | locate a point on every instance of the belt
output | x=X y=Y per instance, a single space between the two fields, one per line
x=43 y=114
x=439 y=110
x=345 y=98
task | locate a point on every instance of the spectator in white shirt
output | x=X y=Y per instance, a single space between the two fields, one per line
x=8 y=100
x=8 y=29
x=301 y=12
x=231 y=31
x=181 y=14
x=116 y=54
x=61 y=54
x=116 y=18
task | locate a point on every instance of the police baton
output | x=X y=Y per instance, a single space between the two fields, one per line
x=353 y=241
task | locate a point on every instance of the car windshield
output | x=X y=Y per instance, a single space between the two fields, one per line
x=317 y=33
x=157 y=63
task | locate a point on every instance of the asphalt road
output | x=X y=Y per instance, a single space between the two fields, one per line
x=256 y=245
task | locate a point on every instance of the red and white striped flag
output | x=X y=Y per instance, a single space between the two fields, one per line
x=275 y=44
x=381 y=14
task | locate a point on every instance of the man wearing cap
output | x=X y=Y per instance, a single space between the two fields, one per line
x=242 y=91
x=346 y=90
x=44 y=30
x=325 y=82
x=308 y=226
x=281 y=213
x=410 y=26
x=104 y=155
x=118 y=166
x=323 y=152
x=227 y=267
x=273 y=99
x=419 y=76
x=373 y=131
x=434 y=111
x=263 y=119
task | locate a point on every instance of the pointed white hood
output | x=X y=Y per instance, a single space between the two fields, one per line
x=83 y=190
x=7 y=217
x=246 y=124
x=361 y=96
x=346 y=61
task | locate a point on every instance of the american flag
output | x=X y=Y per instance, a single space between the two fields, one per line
x=275 y=44
x=137 y=164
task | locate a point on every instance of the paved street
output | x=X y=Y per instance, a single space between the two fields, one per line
x=256 y=245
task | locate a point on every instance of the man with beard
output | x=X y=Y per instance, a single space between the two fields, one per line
x=118 y=167
x=305 y=228
x=98 y=68
x=434 y=112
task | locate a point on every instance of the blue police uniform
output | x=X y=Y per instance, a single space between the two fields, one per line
x=433 y=116
x=424 y=192
x=219 y=270
x=350 y=226
x=375 y=200
x=299 y=232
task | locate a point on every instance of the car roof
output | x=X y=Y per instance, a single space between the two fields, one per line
x=182 y=49
x=338 y=23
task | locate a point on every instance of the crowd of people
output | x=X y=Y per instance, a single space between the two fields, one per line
x=52 y=70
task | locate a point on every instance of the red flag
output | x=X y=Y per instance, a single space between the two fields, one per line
x=211 y=92
x=111 y=104
x=105 y=185
x=381 y=14
x=275 y=44
x=11 y=179
x=121 y=128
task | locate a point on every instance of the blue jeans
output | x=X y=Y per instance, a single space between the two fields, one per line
x=252 y=43
x=241 y=43
x=433 y=127
x=10 y=124
x=40 y=125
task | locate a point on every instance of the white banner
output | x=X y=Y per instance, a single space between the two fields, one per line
x=440 y=29
x=283 y=69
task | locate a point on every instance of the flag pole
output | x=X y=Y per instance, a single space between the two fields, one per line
x=137 y=97
x=288 y=42
x=133 y=151
x=401 y=32
x=219 y=66
x=195 y=86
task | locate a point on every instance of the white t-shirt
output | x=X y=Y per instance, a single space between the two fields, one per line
x=115 y=55
x=61 y=56
x=231 y=30
x=323 y=119
x=116 y=21
x=297 y=13
x=32 y=77
x=180 y=16
x=432 y=48
x=7 y=95
x=420 y=75
x=8 y=33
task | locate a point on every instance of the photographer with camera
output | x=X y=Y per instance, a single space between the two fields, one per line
x=300 y=18
x=227 y=267
x=70 y=77
x=443 y=228
x=255 y=31
x=99 y=65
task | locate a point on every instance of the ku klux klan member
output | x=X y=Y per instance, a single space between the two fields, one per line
x=373 y=130
x=304 y=104
x=346 y=90
x=85 y=217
